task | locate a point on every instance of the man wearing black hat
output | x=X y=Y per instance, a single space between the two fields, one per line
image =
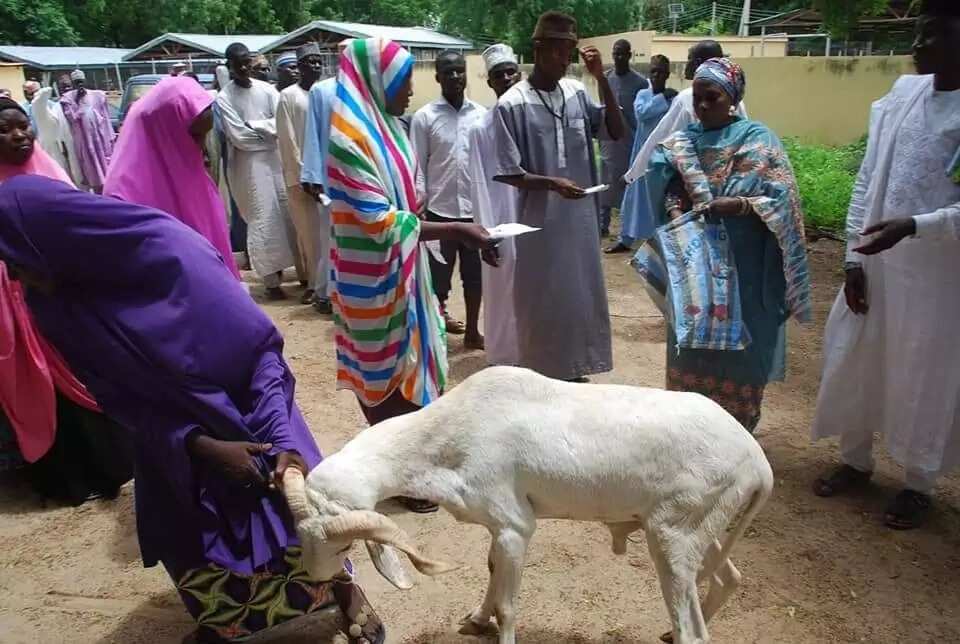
x=545 y=129
x=310 y=219
x=890 y=352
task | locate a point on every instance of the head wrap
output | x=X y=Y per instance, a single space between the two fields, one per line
x=727 y=74
x=287 y=58
x=498 y=55
x=310 y=49
x=77 y=74
x=554 y=25
x=389 y=334
x=156 y=163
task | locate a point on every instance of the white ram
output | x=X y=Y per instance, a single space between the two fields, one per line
x=509 y=446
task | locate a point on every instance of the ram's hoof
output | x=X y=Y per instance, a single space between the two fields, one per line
x=667 y=637
x=470 y=627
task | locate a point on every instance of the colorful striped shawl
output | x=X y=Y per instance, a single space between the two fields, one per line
x=389 y=329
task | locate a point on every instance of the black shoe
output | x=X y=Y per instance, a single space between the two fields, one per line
x=616 y=250
x=323 y=306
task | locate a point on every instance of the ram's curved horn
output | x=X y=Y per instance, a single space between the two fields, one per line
x=373 y=526
x=295 y=490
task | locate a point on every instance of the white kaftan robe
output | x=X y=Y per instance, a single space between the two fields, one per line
x=310 y=219
x=494 y=203
x=53 y=132
x=255 y=174
x=894 y=370
x=560 y=298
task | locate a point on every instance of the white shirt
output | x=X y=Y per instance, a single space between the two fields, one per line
x=440 y=137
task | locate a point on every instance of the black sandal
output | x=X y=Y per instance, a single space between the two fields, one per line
x=842 y=480
x=363 y=626
x=908 y=510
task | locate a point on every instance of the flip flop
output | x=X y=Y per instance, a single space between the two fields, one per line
x=908 y=510
x=843 y=479
x=455 y=327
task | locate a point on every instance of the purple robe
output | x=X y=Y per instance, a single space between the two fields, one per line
x=92 y=131
x=167 y=341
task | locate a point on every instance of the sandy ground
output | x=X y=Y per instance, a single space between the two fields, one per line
x=814 y=570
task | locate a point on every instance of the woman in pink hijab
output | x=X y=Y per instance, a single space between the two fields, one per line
x=158 y=160
x=51 y=428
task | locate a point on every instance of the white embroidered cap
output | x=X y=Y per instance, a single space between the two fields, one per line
x=497 y=55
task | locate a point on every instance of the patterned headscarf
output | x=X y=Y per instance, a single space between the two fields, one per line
x=389 y=329
x=727 y=74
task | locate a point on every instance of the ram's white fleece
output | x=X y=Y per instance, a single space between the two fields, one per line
x=509 y=446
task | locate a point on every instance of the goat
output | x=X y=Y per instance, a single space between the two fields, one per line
x=509 y=446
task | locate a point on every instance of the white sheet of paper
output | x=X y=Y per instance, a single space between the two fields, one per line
x=603 y=187
x=503 y=231
x=325 y=200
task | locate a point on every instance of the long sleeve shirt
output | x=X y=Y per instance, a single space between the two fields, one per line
x=440 y=137
x=316 y=138
x=291 y=125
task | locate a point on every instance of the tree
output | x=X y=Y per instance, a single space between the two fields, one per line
x=35 y=22
x=840 y=17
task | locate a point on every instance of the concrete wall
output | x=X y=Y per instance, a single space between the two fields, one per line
x=11 y=78
x=647 y=43
x=816 y=99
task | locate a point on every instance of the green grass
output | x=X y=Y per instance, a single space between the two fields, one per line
x=825 y=177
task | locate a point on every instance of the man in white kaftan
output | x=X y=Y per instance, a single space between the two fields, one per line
x=890 y=365
x=248 y=109
x=681 y=113
x=53 y=132
x=495 y=203
x=310 y=219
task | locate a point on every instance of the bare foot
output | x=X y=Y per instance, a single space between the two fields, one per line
x=474 y=341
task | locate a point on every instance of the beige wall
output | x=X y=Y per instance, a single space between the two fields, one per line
x=11 y=78
x=816 y=99
x=647 y=43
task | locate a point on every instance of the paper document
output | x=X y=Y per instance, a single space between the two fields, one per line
x=503 y=231
x=603 y=187
x=325 y=200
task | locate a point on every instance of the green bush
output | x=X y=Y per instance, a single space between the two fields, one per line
x=825 y=177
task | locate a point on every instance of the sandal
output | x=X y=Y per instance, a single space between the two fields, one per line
x=842 y=480
x=454 y=326
x=908 y=510
x=307 y=297
x=363 y=624
x=418 y=506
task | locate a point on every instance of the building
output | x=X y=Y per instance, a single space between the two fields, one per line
x=423 y=43
x=101 y=64
x=11 y=78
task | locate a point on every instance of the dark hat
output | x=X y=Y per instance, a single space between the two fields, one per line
x=7 y=103
x=310 y=49
x=556 y=25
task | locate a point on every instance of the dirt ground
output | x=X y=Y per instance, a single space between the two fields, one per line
x=814 y=570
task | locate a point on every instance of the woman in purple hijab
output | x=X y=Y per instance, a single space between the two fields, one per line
x=172 y=347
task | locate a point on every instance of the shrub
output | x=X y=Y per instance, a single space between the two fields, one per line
x=825 y=177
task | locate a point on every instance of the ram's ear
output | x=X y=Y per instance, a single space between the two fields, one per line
x=388 y=563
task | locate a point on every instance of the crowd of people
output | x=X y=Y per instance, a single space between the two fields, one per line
x=123 y=317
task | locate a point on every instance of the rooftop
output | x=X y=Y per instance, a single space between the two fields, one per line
x=407 y=36
x=176 y=45
x=50 y=58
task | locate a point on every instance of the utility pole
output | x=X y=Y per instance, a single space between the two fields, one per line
x=643 y=6
x=745 y=19
x=713 y=20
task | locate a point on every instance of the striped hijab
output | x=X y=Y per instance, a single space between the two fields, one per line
x=389 y=330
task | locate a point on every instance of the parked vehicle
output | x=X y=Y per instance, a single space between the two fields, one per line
x=137 y=87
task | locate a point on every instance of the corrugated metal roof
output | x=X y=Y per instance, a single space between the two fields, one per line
x=62 y=57
x=407 y=36
x=215 y=44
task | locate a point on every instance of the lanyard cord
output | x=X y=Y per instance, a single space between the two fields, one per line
x=560 y=114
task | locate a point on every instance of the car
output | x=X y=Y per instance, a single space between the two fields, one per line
x=136 y=88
